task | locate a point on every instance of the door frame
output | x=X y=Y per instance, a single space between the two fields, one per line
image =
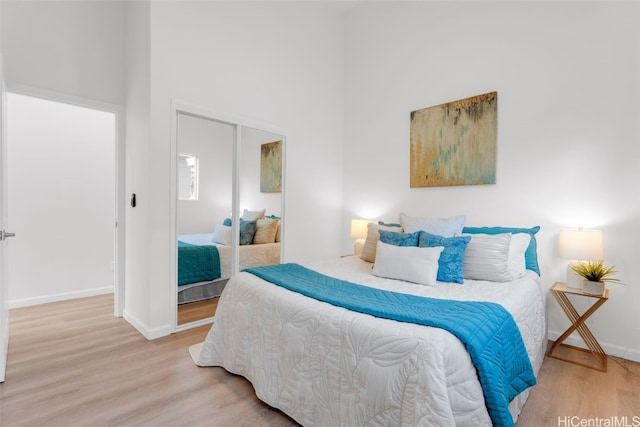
x=120 y=175
x=4 y=279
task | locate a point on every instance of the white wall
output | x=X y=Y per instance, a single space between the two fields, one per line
x=70 y=47
x=61 y=200
x=567 y=77
x=212 y=143
x=138 y=89
x=278 y=63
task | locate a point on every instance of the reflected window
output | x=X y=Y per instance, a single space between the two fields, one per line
x=187 y=177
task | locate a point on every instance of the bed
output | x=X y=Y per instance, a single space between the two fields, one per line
x=328 y=365
x=204 y=267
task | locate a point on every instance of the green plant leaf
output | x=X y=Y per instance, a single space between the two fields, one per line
x=595 y=271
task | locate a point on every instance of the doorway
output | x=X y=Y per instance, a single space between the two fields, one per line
x=63 y=190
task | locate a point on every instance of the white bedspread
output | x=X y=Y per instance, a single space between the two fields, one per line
x=328 y=366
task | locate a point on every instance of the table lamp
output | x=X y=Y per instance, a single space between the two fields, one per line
x=579 y=245
x=359 y=232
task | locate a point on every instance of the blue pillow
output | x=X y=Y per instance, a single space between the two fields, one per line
x=452 y=257
x=530 y=255
x=247 y=230
x=399 y=239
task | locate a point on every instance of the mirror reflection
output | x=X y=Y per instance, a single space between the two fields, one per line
x=205 y=202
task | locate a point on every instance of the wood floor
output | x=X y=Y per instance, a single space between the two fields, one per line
x=199 y=310
x=73 y=364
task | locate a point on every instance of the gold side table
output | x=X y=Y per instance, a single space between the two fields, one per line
x=560 y=292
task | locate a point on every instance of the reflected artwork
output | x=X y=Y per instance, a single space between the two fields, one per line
x=271 y=167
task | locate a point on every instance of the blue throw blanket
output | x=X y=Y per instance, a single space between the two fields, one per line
x=487 y=330
x=197 y=263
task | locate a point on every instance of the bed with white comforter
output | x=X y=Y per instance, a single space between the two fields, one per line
x=328 y=366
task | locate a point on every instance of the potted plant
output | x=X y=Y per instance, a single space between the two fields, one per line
x=595 y=274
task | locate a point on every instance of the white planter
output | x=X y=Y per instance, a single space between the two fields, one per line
x=593 y=288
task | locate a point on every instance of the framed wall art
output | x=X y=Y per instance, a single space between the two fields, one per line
x=455 y=143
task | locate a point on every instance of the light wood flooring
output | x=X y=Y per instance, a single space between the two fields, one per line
x=73 y=364
x=198 y=310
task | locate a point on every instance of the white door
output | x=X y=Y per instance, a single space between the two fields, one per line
x=4 y=249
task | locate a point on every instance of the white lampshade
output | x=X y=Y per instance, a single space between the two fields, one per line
x=581 y=245
x=359 y=228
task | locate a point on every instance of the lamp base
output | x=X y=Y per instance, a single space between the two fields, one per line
x=574 y=280
x=358 y=246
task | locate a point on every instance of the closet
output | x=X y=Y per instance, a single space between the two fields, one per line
x=227 y=204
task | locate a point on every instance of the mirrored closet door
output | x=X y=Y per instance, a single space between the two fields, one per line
x=228 y=207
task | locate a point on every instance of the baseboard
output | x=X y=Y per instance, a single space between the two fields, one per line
x=27 y=302
x=148 y=333
x=610 y=349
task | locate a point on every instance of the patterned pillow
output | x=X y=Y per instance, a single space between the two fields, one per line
x=452 y=257
x=530 y=256
x=247 y=231
x=487 y=258
x=399 y=239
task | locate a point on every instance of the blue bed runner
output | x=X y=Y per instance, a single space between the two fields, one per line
x=486 y=329
x=197 y=263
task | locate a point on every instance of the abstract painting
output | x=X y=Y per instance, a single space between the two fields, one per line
x=455 y=143
x=271 y=167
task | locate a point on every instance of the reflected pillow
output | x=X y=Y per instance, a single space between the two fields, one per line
x=247 y=231
x=398 y=239
x=452 y=257
x=408 y=263
x=278 y=233
x=252 y=215
x=222 y=235
x=266 y=230
x=446 y=227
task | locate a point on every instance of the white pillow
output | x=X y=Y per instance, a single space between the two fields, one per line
x=487 y=257
x=370 y=243
x=222 y=235
x=518 y=246
x=446 y=227
x=253 y=215
x=408 y=263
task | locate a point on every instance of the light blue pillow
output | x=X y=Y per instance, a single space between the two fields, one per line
x=530 y=255
x=399 y=239
x=452 y=257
